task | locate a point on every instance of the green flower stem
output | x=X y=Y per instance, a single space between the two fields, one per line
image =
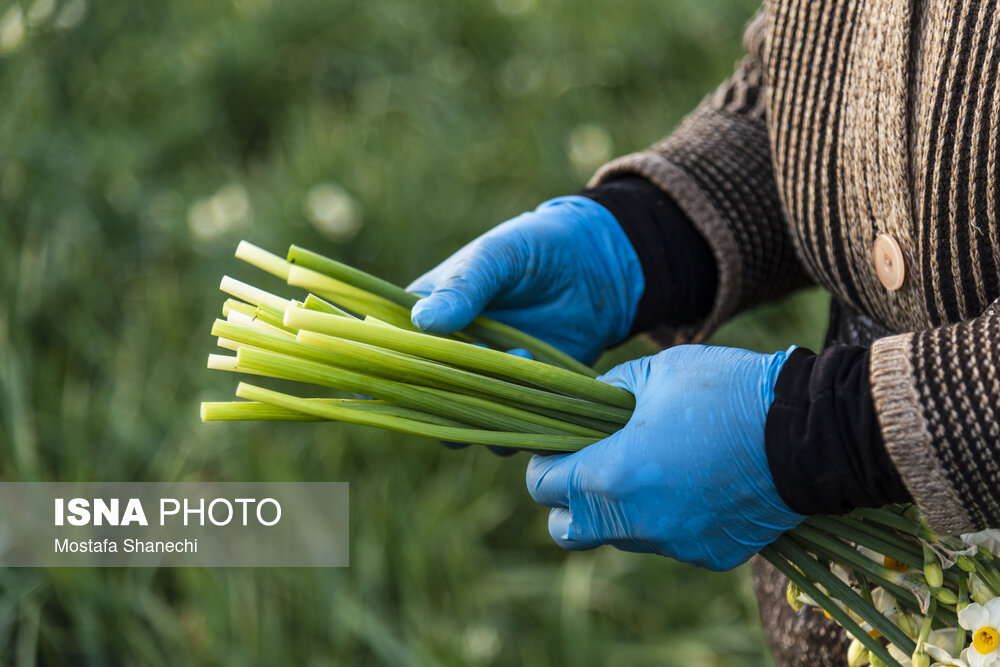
x=264 y=340
x=888 y=536
x=471 y=436
x=605 y=427
x=350 y=297
x=462 y=354
x=313 y=302
x=275 y=318
x=505 y=337
x=988 y=576
x=836 y=526
x=474 y=412
x=889 y=519
x=950 y=576
x=963 y=599
x=460 y=378
x=549 y=424
x=773 y=556
x=222 y=362
x=251 y=294
x=397 y=366
x=262 y=259
x=845 y=555
x=348 y=274
x=239 y=307
x=925 y=627
x=827 y=546
x=488 y=331
x=822 y=575
x=252 y=410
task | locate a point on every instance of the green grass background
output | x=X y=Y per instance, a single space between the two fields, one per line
x=139 y=141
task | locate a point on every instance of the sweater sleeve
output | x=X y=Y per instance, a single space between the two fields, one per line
x=937 y=396
x=822 y=438
x=716 y=166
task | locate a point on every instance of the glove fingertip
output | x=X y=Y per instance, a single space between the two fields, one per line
x=435 y=314
x=568 y=535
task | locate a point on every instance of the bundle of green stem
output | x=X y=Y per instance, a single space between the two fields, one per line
x=892 y=583
x=881 y=574
x=352 y=332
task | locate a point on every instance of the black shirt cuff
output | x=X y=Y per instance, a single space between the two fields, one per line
x=677 y=263
x=822 y=437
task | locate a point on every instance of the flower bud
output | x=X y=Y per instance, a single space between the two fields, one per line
x=965 y=564
x=792 y=592
x=934 y=574
x=945 y=595
x=876 y=661
x=921 y=659
x=857 y=654
x=932 y=569
x=908 y=626
x=979 y=591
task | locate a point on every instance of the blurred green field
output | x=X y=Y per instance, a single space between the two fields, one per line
x=140 y=141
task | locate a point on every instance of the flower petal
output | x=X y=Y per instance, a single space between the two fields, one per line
x=938 y=653
x=977 y=659
x=900 y=657
x=973 y=617
x=986 y=538
x=993 y=607
x=885 y=604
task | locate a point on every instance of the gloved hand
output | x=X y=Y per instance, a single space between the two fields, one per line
x=565 y=273
x=687 y=477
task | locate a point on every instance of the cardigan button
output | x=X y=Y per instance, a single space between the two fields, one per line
x=889 y=264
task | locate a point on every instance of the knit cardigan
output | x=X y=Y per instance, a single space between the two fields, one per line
x=850 y=119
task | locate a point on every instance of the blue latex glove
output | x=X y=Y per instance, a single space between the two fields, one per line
x=565 y=273
x=687 y=477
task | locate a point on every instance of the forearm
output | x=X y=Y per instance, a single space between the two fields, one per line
x=677 y=263
x=823 y=441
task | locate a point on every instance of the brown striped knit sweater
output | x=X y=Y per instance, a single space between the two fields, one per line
x=849 y=120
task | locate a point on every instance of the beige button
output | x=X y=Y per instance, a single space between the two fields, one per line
x=889 y=264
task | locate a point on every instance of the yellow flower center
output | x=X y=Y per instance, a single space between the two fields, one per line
x=894 y=564
x=985 y=640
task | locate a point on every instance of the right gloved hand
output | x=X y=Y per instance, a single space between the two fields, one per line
x=565 y=273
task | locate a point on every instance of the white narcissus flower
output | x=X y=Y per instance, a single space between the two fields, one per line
x=990 y=539
x=933 y=646
x=944 y=659
x=983 y=621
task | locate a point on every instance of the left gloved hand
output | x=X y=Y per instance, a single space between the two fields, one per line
x=687 y=477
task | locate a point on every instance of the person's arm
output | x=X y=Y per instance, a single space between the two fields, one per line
x=677 y=263
x=717 y=168
x=915 y=417
x=822 y=437
x=937 y=396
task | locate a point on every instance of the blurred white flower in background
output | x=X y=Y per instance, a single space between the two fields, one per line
x=333 y=212
x=71 y=14
x=514 y=7
x=41 y=11
x=212 y=217
x=588 y=147
x=482 y=643
x=11 y=30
